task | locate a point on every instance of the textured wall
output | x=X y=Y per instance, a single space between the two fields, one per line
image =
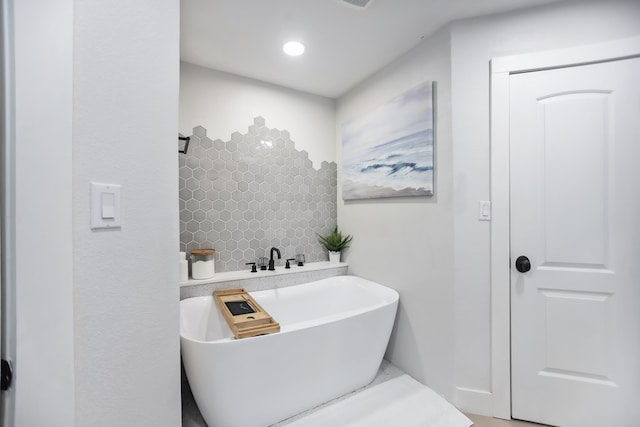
x=251 y=193
x=125 y=300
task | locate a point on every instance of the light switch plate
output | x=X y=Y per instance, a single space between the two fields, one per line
x=105 y=206
x=484 y=210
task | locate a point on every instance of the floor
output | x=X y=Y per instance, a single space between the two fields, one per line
x=191 y=415
x=481 y=421
x=386 y=372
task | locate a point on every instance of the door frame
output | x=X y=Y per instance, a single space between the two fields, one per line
x=7 y=183
x=501 y=69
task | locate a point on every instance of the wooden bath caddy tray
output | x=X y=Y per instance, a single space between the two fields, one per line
x=243 y=314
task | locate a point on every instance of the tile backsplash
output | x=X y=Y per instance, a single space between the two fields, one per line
x=251 y=193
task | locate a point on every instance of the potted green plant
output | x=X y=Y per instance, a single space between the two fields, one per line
x=335 y=242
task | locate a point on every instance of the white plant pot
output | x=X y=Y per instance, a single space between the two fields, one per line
x=334 y=257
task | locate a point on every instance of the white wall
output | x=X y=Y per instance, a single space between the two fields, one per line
x=38 y=179
x=437 y=253
x=407 y=243
x=225 y=103
x=473 y=43
x=125 y=108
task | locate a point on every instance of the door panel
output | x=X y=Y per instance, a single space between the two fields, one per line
x=564 y=223
x=575 y=213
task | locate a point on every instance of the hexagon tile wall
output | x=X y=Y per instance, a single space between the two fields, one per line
x=251 y=193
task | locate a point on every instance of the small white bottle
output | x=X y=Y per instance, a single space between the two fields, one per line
x=184 y=267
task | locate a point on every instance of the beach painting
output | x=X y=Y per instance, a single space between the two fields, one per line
x=389 y=151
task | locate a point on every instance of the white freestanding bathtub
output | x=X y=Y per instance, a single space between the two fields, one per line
x=333 y=336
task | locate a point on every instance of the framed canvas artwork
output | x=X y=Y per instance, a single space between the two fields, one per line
x=388 y=152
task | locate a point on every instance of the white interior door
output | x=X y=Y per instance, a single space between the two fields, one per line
x=575 y=214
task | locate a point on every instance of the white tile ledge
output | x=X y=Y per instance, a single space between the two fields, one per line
x=261 y=280
x=247 y=274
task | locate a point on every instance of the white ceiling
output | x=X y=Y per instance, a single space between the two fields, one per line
x=344 y=44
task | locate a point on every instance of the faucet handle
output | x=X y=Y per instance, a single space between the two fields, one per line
x=253 y=266
x=300 y=260
x=287 y=265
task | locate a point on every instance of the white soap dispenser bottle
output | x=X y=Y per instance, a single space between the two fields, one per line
x=184 y=267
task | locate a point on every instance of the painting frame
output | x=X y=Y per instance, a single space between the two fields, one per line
x=389 y=152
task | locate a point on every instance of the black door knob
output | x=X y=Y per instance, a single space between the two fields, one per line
x=523 y=264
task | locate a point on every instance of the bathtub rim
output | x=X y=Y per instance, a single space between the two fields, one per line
x=297 y=326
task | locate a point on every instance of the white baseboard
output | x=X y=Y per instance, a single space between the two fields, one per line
x=473 y=401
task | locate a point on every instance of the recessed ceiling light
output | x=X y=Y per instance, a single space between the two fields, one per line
x=293 y=48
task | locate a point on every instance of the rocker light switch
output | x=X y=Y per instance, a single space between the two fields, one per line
x=108 y=206
x=105 y=206
x=484 y=212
